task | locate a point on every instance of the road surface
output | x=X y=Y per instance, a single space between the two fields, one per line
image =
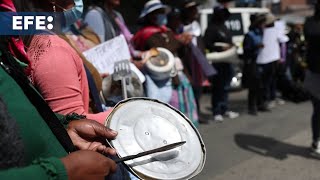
x=273 y=145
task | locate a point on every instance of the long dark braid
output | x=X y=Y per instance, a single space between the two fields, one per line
x=11 y=145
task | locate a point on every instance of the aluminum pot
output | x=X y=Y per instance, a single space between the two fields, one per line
x=160 y=67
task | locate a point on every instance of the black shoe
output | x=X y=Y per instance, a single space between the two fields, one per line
x=203 y=121
x=253 y=112
x=264 y=109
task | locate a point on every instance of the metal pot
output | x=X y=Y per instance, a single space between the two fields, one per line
x=160 y=67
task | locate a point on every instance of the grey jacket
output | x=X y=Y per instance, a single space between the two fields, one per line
x=102 y=23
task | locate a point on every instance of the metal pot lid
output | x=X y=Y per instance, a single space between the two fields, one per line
x=145 y=124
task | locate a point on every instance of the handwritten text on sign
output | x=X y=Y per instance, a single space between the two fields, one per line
x=106 y=54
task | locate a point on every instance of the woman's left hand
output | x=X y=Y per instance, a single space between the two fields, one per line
x=90 y=135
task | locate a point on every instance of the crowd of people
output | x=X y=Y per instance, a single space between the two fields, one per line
x=274 y=60
x=263 y=55
x=50 y=86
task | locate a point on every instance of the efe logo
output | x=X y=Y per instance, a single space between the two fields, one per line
x=34 y=22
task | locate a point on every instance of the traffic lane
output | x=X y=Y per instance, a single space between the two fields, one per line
x=222 y=150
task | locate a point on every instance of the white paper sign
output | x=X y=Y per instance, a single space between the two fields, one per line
x=106 y=54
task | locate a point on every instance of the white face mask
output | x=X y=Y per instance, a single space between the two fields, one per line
x=73 y=14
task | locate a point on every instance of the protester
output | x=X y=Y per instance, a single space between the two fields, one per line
x=296 y=51
x=109 y=23
x=56 y=68
x=154 y=33
x=312 y=35
x=175 y=25
x=26 y=154
x=82 y=36
x=101 y=18
x=218 y=32
x=269 y=57
x=190 y=14
x=195 y=65
x=280 y=70
x=252 y=45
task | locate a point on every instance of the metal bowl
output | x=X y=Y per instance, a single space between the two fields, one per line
x=227 y=56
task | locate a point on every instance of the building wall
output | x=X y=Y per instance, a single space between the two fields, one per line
x=285 y=4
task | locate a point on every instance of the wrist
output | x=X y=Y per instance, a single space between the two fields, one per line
x=71 y=117
x=67 y=166
x=54 y=167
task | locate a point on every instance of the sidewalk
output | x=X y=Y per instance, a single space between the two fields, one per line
x=290 y=159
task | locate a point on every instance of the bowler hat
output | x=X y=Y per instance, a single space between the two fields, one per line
x=151 y=6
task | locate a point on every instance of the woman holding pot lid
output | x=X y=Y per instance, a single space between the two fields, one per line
x=58 y=72
x=41 y=148
x=177 y=90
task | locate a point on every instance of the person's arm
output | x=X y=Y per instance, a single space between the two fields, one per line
x=306 y=30
x=79 y=165
x=50 y=168
x=282 y=38
x=95 y=21
x=208 y=39
x=56 y=76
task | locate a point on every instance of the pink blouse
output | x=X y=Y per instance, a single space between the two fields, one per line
x=58 y=73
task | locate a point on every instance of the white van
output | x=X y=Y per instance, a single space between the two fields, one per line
x=238 y=22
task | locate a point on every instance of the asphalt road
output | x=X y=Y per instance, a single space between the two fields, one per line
x=231 y=145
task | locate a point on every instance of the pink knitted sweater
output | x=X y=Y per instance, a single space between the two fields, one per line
x=58 y=73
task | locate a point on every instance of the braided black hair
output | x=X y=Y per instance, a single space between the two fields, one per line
x=11 y=145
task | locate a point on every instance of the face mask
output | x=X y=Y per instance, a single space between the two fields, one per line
x=161 y=19
x=73 y=14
